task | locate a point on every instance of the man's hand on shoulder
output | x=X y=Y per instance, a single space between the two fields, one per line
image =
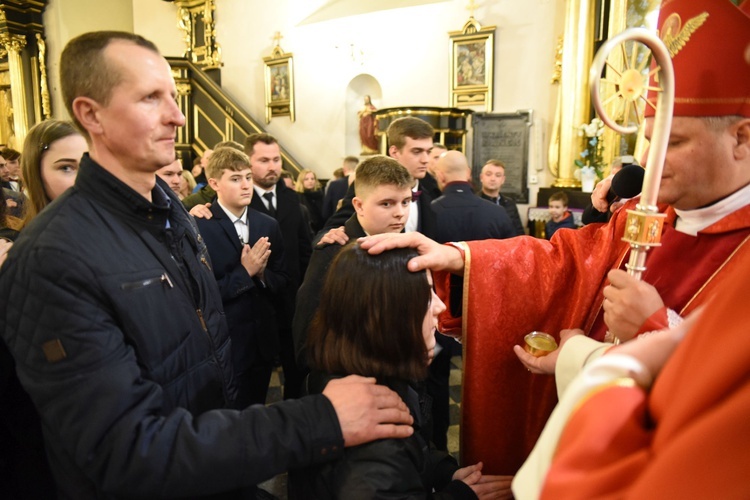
x=367 y=411
x=202 y=211
x=334 y=235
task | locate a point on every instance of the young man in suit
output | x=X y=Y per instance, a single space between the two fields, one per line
x=247 y=256
x=410 y=143
x=272 y=197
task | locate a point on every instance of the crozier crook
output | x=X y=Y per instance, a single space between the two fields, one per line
x=644 y=224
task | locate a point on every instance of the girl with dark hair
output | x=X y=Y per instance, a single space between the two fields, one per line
x=377 y=319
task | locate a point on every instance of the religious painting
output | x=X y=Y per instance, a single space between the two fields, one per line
x=279 y=79
x=471 y=53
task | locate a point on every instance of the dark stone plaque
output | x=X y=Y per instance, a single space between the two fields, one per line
x=504 y=137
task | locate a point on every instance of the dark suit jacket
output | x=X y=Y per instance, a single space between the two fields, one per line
x=337 y=189
x=294 y=228
x=308 y=295
x=249 y=305
x=462 y=216
x=426 y=224
x=511 y=209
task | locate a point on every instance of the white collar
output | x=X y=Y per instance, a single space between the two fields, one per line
x=233 y=217
x=693 y=221
x=262 y=191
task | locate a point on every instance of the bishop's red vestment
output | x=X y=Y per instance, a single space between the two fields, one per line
x=512 y=287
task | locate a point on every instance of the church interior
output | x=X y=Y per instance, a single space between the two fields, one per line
x=523 y=99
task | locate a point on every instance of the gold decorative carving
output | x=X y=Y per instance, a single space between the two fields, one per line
x=553 y=158
x=182 y=88
x=43 y=87
x=195 y=18
x=14 y=44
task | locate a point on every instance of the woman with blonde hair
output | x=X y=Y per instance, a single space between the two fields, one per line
x=49 y=163
x=187 y=184
x=311 y=196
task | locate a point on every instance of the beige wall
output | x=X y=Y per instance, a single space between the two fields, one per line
x=405 y=50
x=66 y=19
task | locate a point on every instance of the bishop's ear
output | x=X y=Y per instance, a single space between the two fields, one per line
x=742 y=135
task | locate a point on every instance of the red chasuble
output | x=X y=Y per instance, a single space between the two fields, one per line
x=512 y=287
x=688 y=438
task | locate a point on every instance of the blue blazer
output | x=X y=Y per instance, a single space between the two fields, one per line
x=249 y=305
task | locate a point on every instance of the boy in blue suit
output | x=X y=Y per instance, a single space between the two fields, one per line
x=247 y=255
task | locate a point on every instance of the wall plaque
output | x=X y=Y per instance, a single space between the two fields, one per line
x=504 y=137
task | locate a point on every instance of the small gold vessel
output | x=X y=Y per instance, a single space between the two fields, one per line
x=539 y=344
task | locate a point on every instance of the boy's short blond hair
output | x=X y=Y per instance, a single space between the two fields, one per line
x=226 y=158
x=377 y=171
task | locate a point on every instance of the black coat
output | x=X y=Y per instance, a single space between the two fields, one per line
x=308 y=295
x=116 y=327
x=249 y=304
x=510 y=207
x=408 y=468
x=463 y=216
x=426 y=224
x=336 y=191
x=313 y=201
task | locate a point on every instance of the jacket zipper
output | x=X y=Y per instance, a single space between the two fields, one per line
x=135 y=285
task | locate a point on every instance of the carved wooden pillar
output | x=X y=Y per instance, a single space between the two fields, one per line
x=13 y=45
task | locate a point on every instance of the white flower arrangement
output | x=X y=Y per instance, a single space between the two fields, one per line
x=592 y=154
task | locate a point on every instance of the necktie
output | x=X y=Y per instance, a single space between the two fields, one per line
x=271 y=209
x=415 y=195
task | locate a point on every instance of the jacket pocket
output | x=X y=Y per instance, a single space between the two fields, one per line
x=147 y=282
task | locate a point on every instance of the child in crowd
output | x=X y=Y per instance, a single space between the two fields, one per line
x=247 y=255
x=560 y=217
x=378 y=319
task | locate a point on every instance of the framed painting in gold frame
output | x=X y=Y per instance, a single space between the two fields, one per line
x=471 y=65
x=279 y=77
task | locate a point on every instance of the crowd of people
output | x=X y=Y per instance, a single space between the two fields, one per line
x=145 y=304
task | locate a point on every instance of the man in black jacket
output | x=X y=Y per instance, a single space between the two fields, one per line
x=460 y=214
x=273 y=198
x=492 y=179
x=114 y=319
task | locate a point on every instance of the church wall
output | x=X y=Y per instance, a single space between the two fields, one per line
x=404 y=49
x=66 y=19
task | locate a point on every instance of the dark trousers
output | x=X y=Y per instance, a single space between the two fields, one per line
x=293 y=376
x=252 y=384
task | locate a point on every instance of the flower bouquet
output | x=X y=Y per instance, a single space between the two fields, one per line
x=592 y=154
